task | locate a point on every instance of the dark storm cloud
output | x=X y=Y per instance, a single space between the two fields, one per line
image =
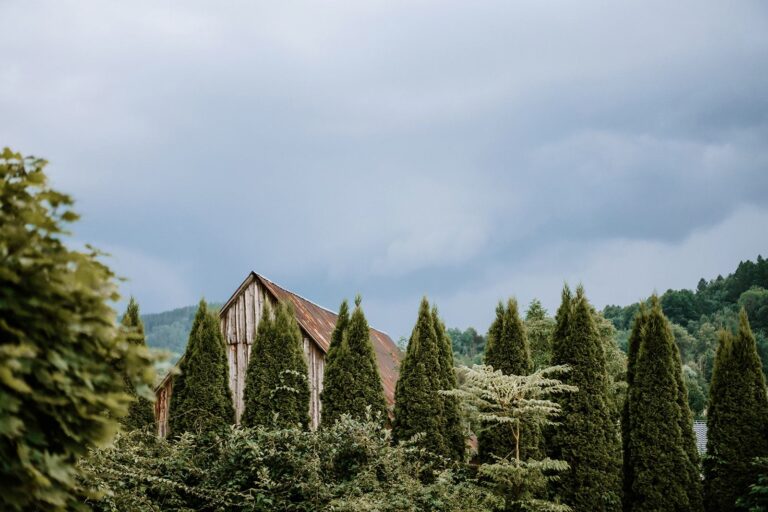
x=465 y=150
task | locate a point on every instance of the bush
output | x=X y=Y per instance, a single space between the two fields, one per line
x=348 y=466
x=59 y=345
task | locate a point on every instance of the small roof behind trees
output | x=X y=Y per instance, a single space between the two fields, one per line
x=700 y=429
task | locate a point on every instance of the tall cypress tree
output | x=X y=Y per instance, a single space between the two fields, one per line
x=453 y=432
x=337 y=375
x=141 y=411
x=277 y=386
x=586 y=438
x=366 y=389
x=737 y=419
x=201 y=400
x=507 y=350
x=685 y=421
x=418 y=404
x=633 y=346
x=661 y=468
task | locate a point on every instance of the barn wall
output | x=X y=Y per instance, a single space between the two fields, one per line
x=162 y=404
x=238 y=325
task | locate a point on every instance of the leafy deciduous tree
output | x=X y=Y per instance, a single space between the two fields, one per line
x=59 y=345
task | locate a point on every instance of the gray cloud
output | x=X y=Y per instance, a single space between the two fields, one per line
x=465 y=150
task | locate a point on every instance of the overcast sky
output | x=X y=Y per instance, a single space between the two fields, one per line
x=469 y=151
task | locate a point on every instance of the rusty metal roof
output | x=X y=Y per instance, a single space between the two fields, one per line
x=318 y=323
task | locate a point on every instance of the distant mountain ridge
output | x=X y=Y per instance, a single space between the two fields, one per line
x=169 y=330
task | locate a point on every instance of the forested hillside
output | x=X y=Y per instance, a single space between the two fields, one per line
x=169 y=330
x=696 y=315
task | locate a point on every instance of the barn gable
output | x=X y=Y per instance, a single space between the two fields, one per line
x=239 y=317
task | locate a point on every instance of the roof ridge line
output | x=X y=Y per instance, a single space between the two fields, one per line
x=262 y=276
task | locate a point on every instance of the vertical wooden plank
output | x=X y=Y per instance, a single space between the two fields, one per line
x=232 y=367
x=319 y=378
x=230 y=325
x=242 y=367
x=249 y=326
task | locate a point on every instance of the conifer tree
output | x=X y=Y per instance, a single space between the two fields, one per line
x=633 y=345
x=693 y=485
x=418 y=407
x=737 y=419
x=660 y=465
x=141 y=412
x=365 y=390
x=507 y=351
x=277 y=387
x=587 y=439
x=336 y=376
x=538 y=330
x=201 y=400
x=453 y=432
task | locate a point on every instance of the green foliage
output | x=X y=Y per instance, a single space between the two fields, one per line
x=453 y=430
x=468 y=346
x=587 y=438
x=755 y=302
x=756 y=500
x=59 y=345
x=698 y=316
x=277 y=387
x=337 y=374
x=507 y=348
x=522 y=404
x=351 y=382
x=539 y=327
x=507 y=351
x=418 y=406
x=201 y=400
x=169 y=330
x=738 y=415
x=141 y=412
x=260 y=469
x=662 y=469
x=632 y=349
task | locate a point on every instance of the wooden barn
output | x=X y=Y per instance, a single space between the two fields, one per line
x=239 y=317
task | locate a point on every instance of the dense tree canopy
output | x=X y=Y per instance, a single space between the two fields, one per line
x=59 y=345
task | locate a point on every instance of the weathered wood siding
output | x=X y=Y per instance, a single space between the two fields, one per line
x=238 y=325
x=162 y=404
